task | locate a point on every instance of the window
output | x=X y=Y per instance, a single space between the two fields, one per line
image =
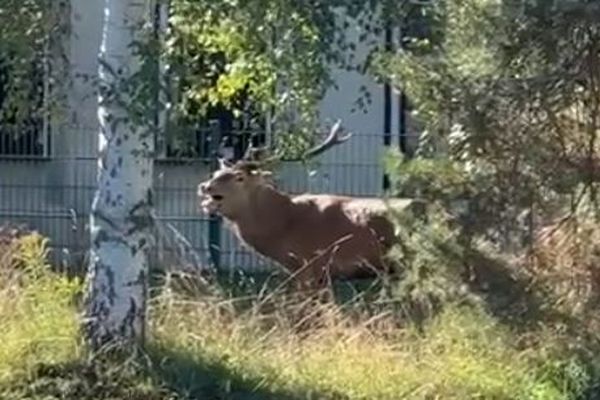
x=24 y=128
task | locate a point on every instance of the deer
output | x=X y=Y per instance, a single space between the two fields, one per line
x=317 y=238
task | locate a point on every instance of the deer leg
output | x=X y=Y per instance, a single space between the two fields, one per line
x=308 y=278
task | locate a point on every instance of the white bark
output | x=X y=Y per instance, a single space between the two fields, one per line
x=121 y=222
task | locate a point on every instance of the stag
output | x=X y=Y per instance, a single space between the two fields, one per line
x=315 y=237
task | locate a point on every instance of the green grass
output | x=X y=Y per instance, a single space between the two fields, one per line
x=203 y=347
x=463 y=355
x=38 y=324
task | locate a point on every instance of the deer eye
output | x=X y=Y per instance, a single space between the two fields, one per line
x=239 y=178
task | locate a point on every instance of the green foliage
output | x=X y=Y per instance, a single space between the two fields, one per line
x=430 y=259
x=87 y=380
x=435 y=179
x=27 y=32
x=504 y=95
x=262 y=59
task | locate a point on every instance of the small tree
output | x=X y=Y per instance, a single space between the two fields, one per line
x=121 y=218
x=510 y=90
x=507 y=93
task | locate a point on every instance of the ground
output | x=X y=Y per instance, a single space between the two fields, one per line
x=236 y=344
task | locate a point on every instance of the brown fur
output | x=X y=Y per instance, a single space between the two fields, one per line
x=314 y=236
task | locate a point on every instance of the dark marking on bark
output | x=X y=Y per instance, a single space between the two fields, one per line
x=150 y=197
x=143 y=278
x=120 y=161
x=108 y=197
x=129 y=320
x=139 y=206
x=113 y=172
x=105 y=236
x=99 y=237
x=133 y=250
x=110 y=277
x=140 y=280
x=114 y=125
x=97 y=311
x=118 y=142
x=140 y=223
x=125 y=137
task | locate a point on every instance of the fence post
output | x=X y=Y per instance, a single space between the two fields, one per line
x=214 y=223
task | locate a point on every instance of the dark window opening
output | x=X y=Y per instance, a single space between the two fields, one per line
x=189 y=136
x=23 y=123
x=192 y=138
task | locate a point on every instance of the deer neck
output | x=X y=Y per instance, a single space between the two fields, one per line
x=268 y=213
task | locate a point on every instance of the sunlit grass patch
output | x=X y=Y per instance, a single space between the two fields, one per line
x=38 y=322
x=462 y=354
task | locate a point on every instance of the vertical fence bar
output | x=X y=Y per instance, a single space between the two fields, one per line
x=214 y=223
x=387 y=109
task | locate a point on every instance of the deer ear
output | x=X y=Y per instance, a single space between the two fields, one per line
x=223 y=163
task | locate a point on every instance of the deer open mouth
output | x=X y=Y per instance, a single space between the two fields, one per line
x=211 y=203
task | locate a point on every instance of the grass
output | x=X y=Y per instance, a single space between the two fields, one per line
x=203 y=347
x=37 y=321
x=464 y=354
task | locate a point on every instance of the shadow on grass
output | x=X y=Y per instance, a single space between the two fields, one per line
x=191 y=376
x=165 y=374
x=507 y=296
x=511 y=296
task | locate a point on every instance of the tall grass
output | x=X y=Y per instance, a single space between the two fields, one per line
x=37 y=320
x=206 y=348
x=462 y=354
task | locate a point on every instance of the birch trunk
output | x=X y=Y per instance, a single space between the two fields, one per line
x=120 y=222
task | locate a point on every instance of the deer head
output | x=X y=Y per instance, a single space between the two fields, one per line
x=231 y=188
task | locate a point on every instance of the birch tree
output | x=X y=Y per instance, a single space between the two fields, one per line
x=121 y=221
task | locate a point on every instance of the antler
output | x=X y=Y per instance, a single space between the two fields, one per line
x=334 y=138
x=255 y=153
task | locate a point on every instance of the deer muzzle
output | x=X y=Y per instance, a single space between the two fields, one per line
x=210 y=202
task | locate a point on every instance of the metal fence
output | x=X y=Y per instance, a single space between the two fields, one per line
x=53 y=195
